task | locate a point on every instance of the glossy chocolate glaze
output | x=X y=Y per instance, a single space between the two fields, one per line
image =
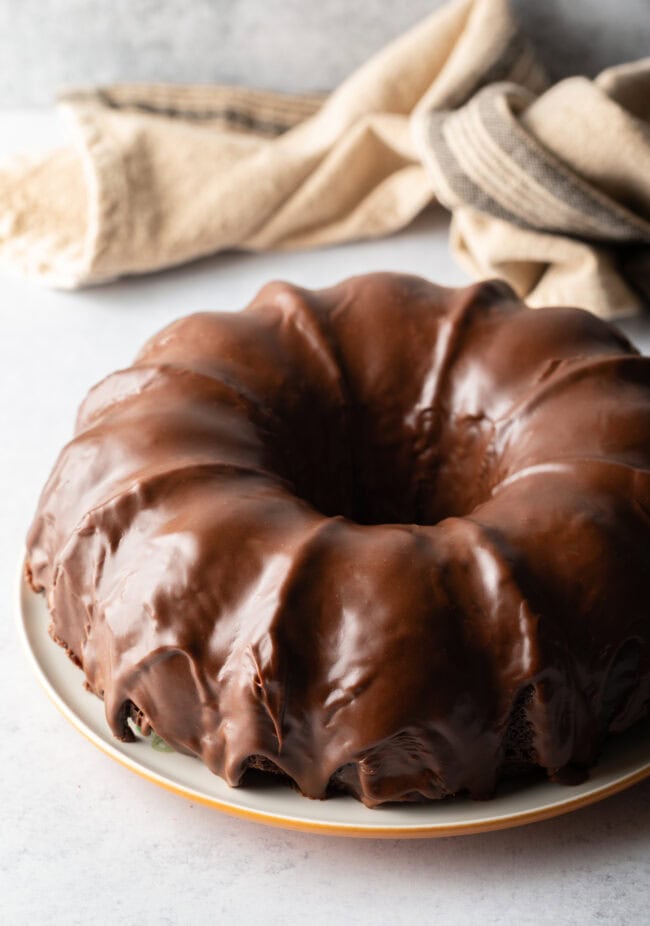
x=385 y=537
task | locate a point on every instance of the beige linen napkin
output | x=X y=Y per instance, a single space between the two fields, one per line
x=551 y=191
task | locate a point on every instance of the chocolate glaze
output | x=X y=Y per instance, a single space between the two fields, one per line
x=387 y=537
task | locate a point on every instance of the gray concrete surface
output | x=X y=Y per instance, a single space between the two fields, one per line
x=283 y=44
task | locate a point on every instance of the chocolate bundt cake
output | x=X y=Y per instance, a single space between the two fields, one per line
x=386 y=538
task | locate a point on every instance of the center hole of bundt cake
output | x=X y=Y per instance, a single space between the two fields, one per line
x=370 y=483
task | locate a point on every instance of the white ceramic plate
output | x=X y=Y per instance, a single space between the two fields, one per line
x=625 y=761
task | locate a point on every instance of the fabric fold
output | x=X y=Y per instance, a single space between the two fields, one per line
x=550 y=191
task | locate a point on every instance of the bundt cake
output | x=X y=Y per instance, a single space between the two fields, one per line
x=386 y=538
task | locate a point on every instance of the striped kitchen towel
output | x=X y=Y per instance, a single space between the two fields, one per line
x=549 y=187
